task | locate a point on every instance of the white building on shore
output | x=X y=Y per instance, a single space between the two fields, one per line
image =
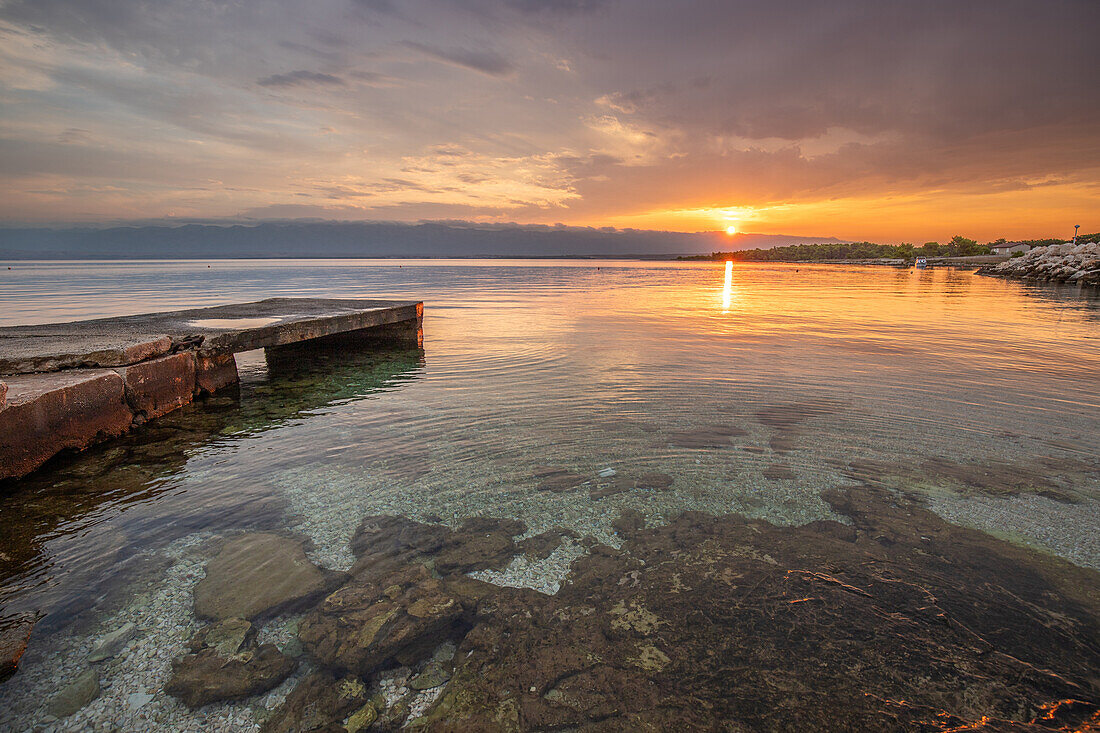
x=1008 y=248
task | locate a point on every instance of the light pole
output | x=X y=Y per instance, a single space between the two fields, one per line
x=1075 y=228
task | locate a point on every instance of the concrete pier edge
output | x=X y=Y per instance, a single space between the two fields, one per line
x=77 y=393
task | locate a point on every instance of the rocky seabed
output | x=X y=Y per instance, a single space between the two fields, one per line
x=1055 y=263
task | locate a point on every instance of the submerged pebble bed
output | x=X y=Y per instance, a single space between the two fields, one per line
x=325 y=505
x=132 y=697
x=1033 y=521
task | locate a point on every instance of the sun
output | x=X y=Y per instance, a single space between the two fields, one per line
x=731 y=230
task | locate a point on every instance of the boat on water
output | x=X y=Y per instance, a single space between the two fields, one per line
x=922 y=262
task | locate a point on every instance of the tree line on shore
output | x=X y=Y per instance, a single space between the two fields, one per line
x=959 y=246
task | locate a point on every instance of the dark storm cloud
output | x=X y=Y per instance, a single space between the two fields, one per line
x=487 y=62
x=300 y=78
x=794 y=70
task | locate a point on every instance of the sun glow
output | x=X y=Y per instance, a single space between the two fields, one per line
x=731 y=230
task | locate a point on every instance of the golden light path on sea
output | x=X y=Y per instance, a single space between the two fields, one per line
x=727 y=288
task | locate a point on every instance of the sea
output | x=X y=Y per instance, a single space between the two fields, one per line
x=757 y=392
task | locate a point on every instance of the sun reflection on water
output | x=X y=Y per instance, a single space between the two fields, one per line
x=727 y=288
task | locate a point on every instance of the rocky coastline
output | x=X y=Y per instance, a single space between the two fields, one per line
x=1067 y=263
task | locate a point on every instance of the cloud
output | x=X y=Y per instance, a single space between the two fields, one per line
x=169 y=106
x=557 y=6
x=377 y=6
x=300 y=78
x=487 y=62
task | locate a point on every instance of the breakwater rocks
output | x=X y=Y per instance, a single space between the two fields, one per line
x=1054 y=263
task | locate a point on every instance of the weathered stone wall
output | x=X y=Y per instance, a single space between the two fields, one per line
x=158 y=386
x=1055 y=263
x=214 y=371
x=44 y=414
x=47 y=413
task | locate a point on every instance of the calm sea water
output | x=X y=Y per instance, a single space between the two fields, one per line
x=935 y=378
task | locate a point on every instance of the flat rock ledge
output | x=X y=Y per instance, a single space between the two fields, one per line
x=1066 y=263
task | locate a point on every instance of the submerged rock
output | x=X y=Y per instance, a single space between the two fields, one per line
x=629 y=523
x=610 y=486
x=893 y=621
x=402 y=615
x=558 y=480
x=433 y=675
x=362 y=719
x=789 y=416
x=994 y=478
x=542 y=545
x=207 y=675
x=480 y=543
x=257 y=575
x=13 y=643
x=226 y=637
x=654 y=480
x=320 y=702
x=389 y=538
x=716 y=436
x=75 y=695
x=111 y=644
x=778 y=472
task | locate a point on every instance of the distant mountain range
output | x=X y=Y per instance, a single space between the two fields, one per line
x=367 y=239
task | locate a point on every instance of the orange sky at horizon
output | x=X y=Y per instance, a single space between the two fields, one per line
x=1036 y=213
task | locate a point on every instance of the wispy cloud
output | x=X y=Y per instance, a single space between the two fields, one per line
x=487 y=62
x=300 y=78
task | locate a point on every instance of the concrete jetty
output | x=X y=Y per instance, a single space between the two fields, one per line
x=66 y=386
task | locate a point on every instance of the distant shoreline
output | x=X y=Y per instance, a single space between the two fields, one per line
x=975 y=261
x=971 y=261
x=205 y=258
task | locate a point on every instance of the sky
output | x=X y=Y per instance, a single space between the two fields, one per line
x=886 y=120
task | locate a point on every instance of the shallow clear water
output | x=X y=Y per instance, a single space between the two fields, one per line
x=939 y=383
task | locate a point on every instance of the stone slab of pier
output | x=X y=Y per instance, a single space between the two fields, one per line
x=65 y=386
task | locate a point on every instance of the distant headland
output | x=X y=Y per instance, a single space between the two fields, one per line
x=958 y=246
x=335 y=239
